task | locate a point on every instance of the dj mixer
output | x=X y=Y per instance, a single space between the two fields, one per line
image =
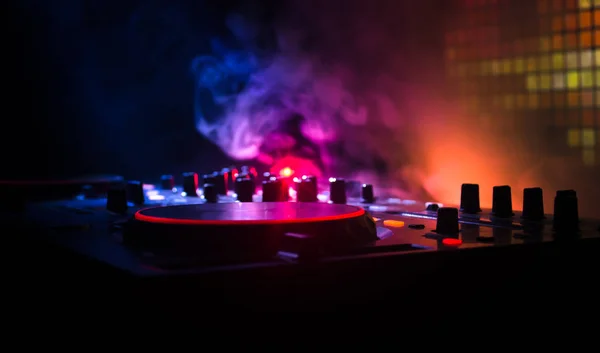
x=265 y=243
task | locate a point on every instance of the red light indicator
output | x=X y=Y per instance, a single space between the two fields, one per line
x=452 y=242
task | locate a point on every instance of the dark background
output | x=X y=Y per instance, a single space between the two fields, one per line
x=104 y=86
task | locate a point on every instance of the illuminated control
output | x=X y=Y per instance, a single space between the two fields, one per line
x=469 y=198
x=392 y=223
x=502 y=202
x=533 y=204
x=452 y=242
x=447 y=221
x=190 y=184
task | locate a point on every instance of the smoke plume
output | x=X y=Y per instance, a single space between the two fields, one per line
x=367 y=79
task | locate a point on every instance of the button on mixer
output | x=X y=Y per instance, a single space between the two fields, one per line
x=502 y=202
x=190 y=183
x=337 y=191
x=533 y=204
x=469 y=198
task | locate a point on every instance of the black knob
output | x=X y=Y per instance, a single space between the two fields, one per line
x=167 y=182
x=533 y=204
x=306 y=189
x=210 y=193
x=228 y=176
x=566 y=211
x=502 y=202
x=116 y=200
x=190 y=183
x=271 y=190
x=447 y=221
x=337 y=191
x=244 y=189
x=367 y=194
x=219 y=180
x=135 y=192
x=469 y=198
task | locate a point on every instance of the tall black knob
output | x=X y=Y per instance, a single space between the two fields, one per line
x=210 y=193
x=244 y=189
x=566 y=211
x=306 y=189
x=135 y=192
x=270 y=191
x=116 y=200
x=219 y=180
x=167 y=182
x=447 y=221
x=502 y=202
x=367 y=194
x=533 y=204
x=228 y=174
x=337 y=191
x=469 y=198
x=190 y=183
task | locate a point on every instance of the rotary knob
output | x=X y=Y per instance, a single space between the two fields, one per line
x=116 y=200
x=272 y=190
x=533 y=204
x=337 y=191
x=469 y=199
x=210 y=193
x=502 y=202
x=566 y=211
x=190 y=183
x=306 y=189
x=367 y=194
x=167 y=182
x=447 y=221
x=244 y=189
x=135 y=192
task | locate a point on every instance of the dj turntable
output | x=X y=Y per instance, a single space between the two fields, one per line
x=270 y=243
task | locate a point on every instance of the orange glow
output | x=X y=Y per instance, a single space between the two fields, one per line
x=393 y=223
x=286 y=172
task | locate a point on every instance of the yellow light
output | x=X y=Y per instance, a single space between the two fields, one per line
x=587 y=79
x=519 y=65
x=572 y=79
x=545 y=81
x=585 y=4
x=589 y=157
x=588 y=137
x=558 y=61
x=573 y=137
x=558 y=81
x=393 y=223
x=532 y=82
x=286 y=172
